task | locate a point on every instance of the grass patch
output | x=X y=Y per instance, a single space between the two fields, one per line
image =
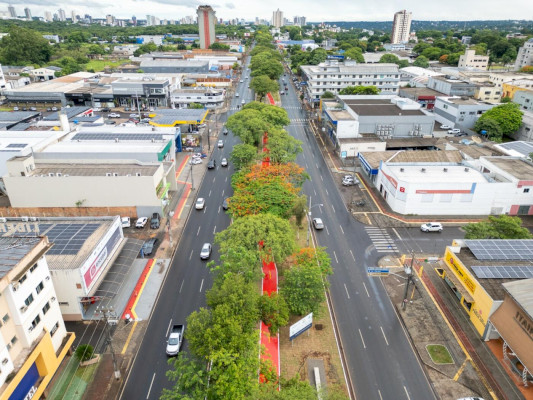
x=439 y=354
x=99 y=65
x=73 y=381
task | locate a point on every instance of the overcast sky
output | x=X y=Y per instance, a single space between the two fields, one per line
x=313 y=10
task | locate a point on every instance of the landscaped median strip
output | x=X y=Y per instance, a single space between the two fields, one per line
x=134 y=298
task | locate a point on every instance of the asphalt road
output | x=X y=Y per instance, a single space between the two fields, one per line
x=188 y=278
x=381 y=362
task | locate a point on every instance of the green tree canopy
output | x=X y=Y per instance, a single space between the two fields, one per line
x=508 y=116
x=219 y=46
x=389 y=58
x=262 y=85
x=328 y=95
x=491 y=127
x=497 y=227
x=274 y=311
x=243 y=155
x=359 y=90
x=422 y=61
x=303 y=289
x=24 y=46
x=355 y=53
x=283 y=148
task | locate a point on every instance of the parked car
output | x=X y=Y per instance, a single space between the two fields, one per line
x=454 y=131
x=33 y=108
x=155 y=221
x=141 y=222
x=126 y=108
x=148 y=246
x=445 y=127
x=200 y=203
x=431 y=227
x=461 y=134
x=109 y=122
x=236 y=94
x=24 y=109
x=126 y=222
x=15 y=108
x=134 y=115
x=318 y=224
x=54 y=108
x=225 y=131
x=106 y=109
x=220 y=144
x=349 y=180
x=195 y=160
x=225 y=203
x=205 y=253
x=114 y=115
x=224 y=162
x=211 y=164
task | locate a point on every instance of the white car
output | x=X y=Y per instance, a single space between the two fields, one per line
x=224 y=162
x=134 y=115
x=114 y=115
x=205 y=253
x=195 y=160
x=242 y=81
x=141 y=222
x=454 y=131
x=200 y=203
x=431 y=227
x=236 y=94
x=445 y=127
x=243 y=102
x=318 y=224
x=220 y=143
x=126 y=222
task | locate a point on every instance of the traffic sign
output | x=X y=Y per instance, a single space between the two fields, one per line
x=301 y=326
x=378 y=271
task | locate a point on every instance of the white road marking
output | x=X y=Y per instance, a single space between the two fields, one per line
x=303 y=155
x=222 y=192
x=209 y=195
x=201 y=286
x=335 y=254
x=226 y=179
x=327 y=230
x=406 y=393
x=314 y=191
x=219 y=209
x=197 y=233
x=345 y=288
x=352 y=255
x=382 y=331
x=326 y=191
x=168 y=329
x=316 y=165
x=379 y=392
x=362 y=340
x=183 y=281
x=214 y=229
x=150 y=388
x=333 y=208
x=366 y=290
x=214 y=180
x=342 y=230
x=397 y=234
x=322 y=178
x=306 y=166
x=191 y=254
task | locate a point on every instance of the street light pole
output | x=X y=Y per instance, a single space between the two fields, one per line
x=108 y=312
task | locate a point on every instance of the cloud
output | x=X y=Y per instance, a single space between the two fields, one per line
x=230 y=6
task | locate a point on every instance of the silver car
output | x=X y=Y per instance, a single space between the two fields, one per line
x=205 y=253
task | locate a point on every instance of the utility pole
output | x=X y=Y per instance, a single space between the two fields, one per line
x=110 y=316
x=409 y=272
x=192 y=181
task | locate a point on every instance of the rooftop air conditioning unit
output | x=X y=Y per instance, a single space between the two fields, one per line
x=33 y=219
x=423 y=170
x=401 y=170
x=115 y=174
x=467 y=169
x=24 y=219
x=108 y=174
x=445 y=169
x=2 y=219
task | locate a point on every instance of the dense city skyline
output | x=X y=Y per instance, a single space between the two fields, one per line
x=314 y=10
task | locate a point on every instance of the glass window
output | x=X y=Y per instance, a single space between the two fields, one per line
x=5 y=318
x=14 y=340
x=54 y=329
x=22 y=278
x=29 y=300
x=39 y=287
x=526 y=190
x=46 y=308
x=33 y=267
x=36 y=321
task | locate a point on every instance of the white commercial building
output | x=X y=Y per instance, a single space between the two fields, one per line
x=401 y=27
x=525 y=55
x=490 y=185
x=473 y=61
x=210 y=98
x=333 y=76
x=459 y=112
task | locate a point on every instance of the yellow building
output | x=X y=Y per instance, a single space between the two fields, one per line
x=33 y=339
x=475 y=271
x=510 y=88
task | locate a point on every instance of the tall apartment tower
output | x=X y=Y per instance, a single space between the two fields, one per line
x=61 y=14
x=277 y=18
x=27 y=12
x=401 y=27
x=48 y=16
x=525 y=55
x=12 y=12
x=206 y=26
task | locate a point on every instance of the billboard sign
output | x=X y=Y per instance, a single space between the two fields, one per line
x=301 y=326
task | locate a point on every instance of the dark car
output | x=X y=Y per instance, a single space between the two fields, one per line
x=461 y=134
x=211 y=164
x=106 y=109
x=225 y=131
x=155 y=221
x=148 y=246
x=225 y=204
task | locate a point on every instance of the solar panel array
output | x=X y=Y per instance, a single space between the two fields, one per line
x=501 y=249
x=119 y=136
x=68 y=239
x=17 y=145
x=503 y=271
x=521 y=147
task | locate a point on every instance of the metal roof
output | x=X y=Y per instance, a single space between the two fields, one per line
x=12 y=250
x=524 y=148
x=522 y=292
x=120 y=136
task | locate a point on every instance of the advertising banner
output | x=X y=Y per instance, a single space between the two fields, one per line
x=93 y=272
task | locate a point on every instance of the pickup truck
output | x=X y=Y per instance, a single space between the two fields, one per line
x=174 y=340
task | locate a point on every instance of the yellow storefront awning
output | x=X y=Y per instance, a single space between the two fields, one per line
x=457 y=283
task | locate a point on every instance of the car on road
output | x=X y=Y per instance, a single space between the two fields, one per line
x=318 y=224
x=205 y=253
x=241 y=81
x=225 y=203
x=454 y=131
x=54 y=108
x=431 y=227
x=134 y=115
x=148 y=246
x=225 y=131
x=141 y=222
x=461 y=134
x=174 y=340
x=114 y=115
x=200 y=203
x=236 y=94
x=281 y=93
x=445 y=127
x=126 y=222
x=155 y=221
x=211 y=164
x=220 y=144
x=243 y=102
x=224 y=162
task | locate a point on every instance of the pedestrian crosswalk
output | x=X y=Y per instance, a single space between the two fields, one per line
x=381 y=239
x=299 y=120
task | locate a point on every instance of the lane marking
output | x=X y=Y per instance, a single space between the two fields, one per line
x=209 y=195
x=335 y=254
x=342 y=230
x=205 y=209
x=223 y=192
x=201 y=286
x=345 y=288
x=214 y=180
x=150 y=388
x=326 y=191
x=406 y=393
x=333 y=208
x=306 y=166
x=362 y=340
x=352 y=255
x=385 y=337
x=314 y=191
x=183 y=281
x=169 y=325
x=218 y=209
x=197 y=233
x=397 y=234
x=226 y=179
x=366 y=290
x=321 y=177
x=191 y=253
x=214 y=229
x=316 y=165
x=327 y=230
x=379 y=392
